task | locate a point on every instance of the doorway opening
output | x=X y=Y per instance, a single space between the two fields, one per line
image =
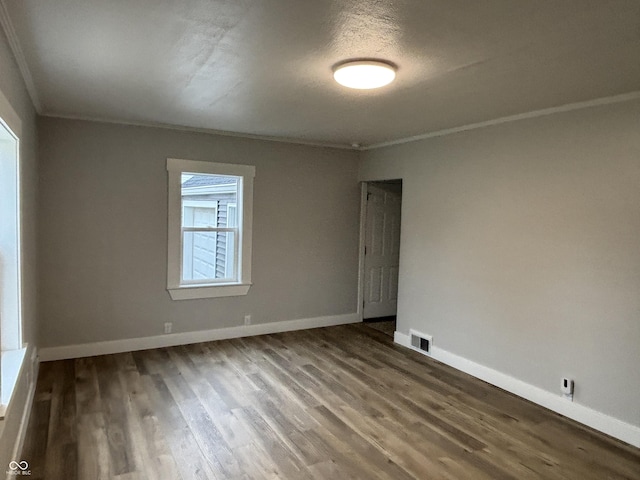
x=380 y=224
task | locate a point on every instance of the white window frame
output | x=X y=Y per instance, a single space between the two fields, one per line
x=178 y=289
x=12 y=348
x=229 y=264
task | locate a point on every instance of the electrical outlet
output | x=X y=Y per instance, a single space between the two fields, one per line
x=168 y=327
x=247 y=319
x=567 y=388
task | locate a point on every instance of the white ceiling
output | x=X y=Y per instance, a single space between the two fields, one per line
x=264 y=67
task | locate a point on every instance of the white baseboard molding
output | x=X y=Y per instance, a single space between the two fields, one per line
x=604 y=423
x=174 y=339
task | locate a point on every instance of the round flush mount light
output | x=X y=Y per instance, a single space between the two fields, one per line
x=364 y=74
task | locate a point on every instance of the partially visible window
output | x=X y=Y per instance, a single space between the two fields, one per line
x=210 y=213
x=10 y=305
x=11 y=348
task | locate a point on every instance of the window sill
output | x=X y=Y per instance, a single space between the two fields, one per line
x=10 y=363
x=208 y=291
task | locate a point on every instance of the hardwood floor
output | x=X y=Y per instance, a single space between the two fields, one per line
x=336 y=403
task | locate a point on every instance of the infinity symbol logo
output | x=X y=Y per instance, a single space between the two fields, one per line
x=23 y=465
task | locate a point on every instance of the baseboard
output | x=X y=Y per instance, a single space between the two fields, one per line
x=604 y=423
x=171 y=340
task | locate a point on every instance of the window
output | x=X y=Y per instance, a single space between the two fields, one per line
x=11 y=347
x=210 y=216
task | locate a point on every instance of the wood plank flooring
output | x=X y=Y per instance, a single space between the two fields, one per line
x=331 y=403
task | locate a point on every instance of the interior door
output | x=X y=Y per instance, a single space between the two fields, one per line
x=382 y=250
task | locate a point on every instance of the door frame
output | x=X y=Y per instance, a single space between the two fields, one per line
x=362 y=239
x=361 y=243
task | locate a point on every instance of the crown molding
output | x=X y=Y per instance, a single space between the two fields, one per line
x=208 y=131
x=569 y=107
x=14 y=44
x=625 y=97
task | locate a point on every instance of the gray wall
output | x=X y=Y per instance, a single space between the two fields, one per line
x=13 y=89
x=520 y=249
x=103 y=232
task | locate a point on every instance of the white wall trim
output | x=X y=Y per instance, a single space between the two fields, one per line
x=14 y=44
x=171 y=340
x=361 y=245
x=626 y=97
x=604 y=423
x=188 y=292
x=635 y=95
x=208 y=131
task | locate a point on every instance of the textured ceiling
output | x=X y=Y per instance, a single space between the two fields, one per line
x=265 y=67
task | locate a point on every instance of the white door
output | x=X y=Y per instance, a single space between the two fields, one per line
x=382 y=251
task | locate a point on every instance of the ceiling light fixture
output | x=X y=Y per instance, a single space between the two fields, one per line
x=364 y=74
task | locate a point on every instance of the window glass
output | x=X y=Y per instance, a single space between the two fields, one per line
x=208 y=231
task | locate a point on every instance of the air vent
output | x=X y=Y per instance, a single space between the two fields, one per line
x=421 y=342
